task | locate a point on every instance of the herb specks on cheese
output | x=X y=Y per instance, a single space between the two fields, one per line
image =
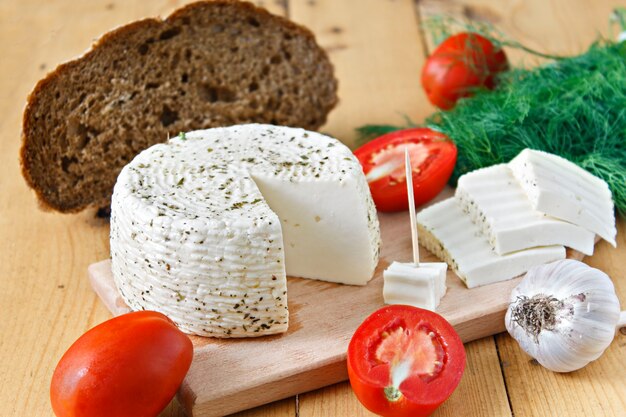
x=210 y=224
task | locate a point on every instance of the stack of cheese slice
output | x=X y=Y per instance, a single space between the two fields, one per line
x=565 y=191
x=448 y=232
x=505 y=219
x=499 y=206
x=205 y=228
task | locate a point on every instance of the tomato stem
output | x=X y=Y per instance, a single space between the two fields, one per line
x=399 y=372
x=392 y=393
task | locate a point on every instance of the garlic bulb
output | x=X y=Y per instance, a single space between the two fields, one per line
x=564 y=314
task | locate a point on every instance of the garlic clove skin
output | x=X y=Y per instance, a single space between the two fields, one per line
x=563 y=314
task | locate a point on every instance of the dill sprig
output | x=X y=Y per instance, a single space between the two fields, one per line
x=574 y=107
x=439 y=28
x=368 y=132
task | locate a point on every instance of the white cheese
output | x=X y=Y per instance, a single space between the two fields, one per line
x=206 y=227
x=560 y=188
x=420 y=285
x=497 y=203
x=451 y=235
x=325 y=227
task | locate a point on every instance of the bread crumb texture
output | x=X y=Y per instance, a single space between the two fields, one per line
x=209 y=64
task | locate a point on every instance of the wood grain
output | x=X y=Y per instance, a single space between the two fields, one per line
x=377 y=52
x=45 y=300
x=281 y=408
x=323 y=317
x=559 y=27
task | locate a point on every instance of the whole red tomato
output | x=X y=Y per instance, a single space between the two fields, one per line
x=404 y=361
x=433 y=156
x=130 y=365
x=461 y=64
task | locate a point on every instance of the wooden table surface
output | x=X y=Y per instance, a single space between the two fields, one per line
x=378 y=49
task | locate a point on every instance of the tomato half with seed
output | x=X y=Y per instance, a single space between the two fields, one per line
x=131 y=365
x=405 y=361
x=459 y=65
x=432 y=154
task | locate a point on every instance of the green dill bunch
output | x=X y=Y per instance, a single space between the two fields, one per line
x=574 y=107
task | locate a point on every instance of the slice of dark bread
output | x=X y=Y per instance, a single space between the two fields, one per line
x=208 y=64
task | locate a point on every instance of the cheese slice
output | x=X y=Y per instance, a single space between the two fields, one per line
x=562 y=189
x=420 y=285
x=450 y=234
x=498 y=204
x=206 y=227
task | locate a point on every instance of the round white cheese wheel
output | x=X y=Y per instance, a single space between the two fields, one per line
x=206 y=227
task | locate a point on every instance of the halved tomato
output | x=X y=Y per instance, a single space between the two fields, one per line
x=433 y=156
x=405 y=361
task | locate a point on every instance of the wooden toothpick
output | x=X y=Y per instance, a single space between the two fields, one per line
x=411 y=197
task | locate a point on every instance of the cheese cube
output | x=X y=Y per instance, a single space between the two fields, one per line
x=419 y=286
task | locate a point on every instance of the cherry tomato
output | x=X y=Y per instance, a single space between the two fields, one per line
x=433 y=156
x=459 y=65
x=405 y=361
x=130 y=365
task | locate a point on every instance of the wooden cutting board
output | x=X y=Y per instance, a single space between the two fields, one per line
x=230 y=375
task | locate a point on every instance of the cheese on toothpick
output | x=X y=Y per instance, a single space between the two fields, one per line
x=420 y=284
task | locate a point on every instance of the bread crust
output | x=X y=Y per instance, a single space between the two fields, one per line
x=119 y=35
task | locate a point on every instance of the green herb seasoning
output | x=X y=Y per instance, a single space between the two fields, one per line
x=574 y=107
